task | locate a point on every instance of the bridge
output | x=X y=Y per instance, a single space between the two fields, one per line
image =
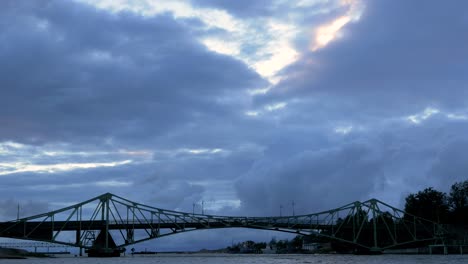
x=106 y=224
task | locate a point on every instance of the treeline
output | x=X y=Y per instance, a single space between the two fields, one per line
x=246 y=247
x=287 y=246
x=389 y=230
x=277 y=246
x=362 y=230
x=440 y=207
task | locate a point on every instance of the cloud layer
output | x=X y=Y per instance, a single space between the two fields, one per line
x=246 y=106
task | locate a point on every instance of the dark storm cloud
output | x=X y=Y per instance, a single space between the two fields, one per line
x=178 y=182
x=69 y=186
x=312 y=179
x=451 y=164
x=399 y=57
x=96 y=82
x=169 y=180
x=70 y=72
x=385 y=162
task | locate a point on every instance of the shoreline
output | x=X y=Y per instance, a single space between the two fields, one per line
x=13 y=253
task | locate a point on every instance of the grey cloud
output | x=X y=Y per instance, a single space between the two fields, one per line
x=397 y=60
x=386 y=161
x=173 y=194
x=240 y=8
x=399 y=57
x=314 y=180
x=450 y=165
x=9 y=208
x=271 y=8
x=74 y=73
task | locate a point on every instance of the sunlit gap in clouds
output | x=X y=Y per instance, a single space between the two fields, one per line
x=272 y=37
x=265 y=44
x=194 y=152
x=326 y=33
x=136 y=153
x=457 y=116
x=266 y=109
x=344 y=130
x=20 y=167
x=105 y=184
x=426 y=114
x=429 y=112
x=413 y=119
x=21 y=158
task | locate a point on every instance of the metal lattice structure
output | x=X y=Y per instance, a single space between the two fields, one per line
x=108 y=223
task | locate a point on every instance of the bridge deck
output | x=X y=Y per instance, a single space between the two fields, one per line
x=98 y=225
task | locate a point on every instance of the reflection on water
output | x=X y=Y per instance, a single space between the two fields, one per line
x=264 y=259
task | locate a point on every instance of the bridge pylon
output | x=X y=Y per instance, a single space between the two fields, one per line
x=104 y=245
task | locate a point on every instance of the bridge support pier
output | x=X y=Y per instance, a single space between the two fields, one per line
x=375 y=251
x=104 y=246
x=104 y=252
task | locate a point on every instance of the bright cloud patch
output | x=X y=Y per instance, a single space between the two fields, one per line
x=264 y=44
x=328 y=32
x=105 y=184
x=426 y=114
x=344 y=129
x=11 y=168
x=54 y=158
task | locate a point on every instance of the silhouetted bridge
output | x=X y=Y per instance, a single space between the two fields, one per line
x=106 y=224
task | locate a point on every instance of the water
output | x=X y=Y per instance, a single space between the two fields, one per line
x=263 y=259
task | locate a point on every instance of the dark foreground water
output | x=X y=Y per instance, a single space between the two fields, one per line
x=264 y=259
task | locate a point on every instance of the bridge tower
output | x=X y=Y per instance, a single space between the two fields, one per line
x=104 y=245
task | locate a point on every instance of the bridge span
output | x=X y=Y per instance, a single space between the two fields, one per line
x=106 y=224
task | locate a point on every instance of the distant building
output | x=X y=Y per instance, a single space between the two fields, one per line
x=312 y=246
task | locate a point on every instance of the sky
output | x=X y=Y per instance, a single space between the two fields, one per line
x=246 y=106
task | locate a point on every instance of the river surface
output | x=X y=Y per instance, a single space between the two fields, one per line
x=236 y=259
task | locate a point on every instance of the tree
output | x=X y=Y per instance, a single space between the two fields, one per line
x=282 y=246
x=296 y=243
x=259 y=246
x=458 y=201
x=272 y=243
x=429 y=204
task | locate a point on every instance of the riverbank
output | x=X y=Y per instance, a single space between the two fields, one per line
x=13 y=253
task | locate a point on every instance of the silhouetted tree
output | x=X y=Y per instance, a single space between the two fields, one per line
x=458 y=201
x=272 y=243
x=259 y=246
x=282 y=246
x=296 y=243
x=429 y=204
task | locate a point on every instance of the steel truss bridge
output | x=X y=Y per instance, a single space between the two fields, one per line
x=106 y=224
